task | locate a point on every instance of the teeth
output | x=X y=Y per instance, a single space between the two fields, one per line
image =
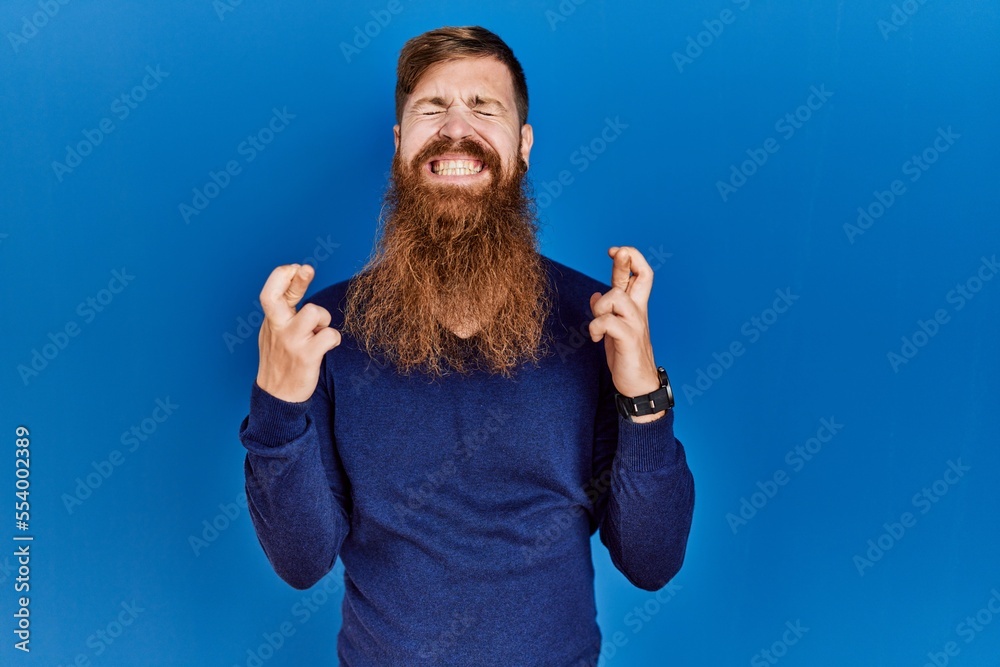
x=456 y=167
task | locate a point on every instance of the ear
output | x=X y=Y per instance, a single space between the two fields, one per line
x=395 y=135
x=527 y=139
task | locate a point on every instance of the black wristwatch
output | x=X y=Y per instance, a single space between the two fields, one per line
x=661 y=399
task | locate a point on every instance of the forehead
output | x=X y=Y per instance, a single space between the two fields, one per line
x=466 y=77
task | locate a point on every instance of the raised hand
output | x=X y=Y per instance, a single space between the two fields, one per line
x=622 y=321
x=292 y=344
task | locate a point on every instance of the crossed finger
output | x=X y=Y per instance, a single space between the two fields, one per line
x=631 y=273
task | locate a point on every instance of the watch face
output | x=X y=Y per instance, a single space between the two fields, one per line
x=665 y=383
x=670 y=396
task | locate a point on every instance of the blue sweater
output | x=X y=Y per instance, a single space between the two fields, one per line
x=462 y=507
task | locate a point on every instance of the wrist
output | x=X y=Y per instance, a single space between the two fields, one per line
x=282 y=393
x=643 y=419
x=650 y=406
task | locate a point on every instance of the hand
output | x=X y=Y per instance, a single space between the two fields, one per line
x=292 y=344
x=622 y=321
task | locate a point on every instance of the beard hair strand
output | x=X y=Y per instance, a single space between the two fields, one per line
x=451 y=257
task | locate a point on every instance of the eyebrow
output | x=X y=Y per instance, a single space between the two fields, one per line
x=474 y=102
x=479 y=101
x=433 y=101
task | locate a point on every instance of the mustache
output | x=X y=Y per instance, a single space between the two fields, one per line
x=469 y=147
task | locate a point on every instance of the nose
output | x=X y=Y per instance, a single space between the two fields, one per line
x=456 y=126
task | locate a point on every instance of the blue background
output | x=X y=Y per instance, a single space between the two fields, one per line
x=174 y=332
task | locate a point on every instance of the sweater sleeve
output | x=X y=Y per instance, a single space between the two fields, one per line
x=645 y=510
x=297 y=492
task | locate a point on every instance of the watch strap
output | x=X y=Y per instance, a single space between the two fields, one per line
x=647 y=404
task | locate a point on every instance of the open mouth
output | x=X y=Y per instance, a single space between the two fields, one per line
x=461 y=167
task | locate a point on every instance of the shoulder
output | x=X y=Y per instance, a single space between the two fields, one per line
x=570 y=284
x=571 y=290
x=333 y=299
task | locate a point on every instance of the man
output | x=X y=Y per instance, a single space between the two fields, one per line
x=464 y=440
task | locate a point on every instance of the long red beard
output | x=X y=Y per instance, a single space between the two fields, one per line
x=453 y=257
